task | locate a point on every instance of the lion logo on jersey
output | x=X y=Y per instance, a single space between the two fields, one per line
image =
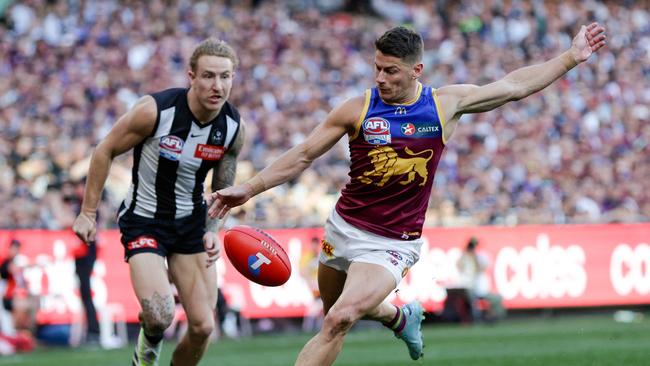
x=387 y=164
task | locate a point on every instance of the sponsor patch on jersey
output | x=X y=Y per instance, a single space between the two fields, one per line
x=328 y=249
x=142 y=242
x=171 y=147
x=408 y=235
x=407 y=129
x=209 y=152
x=418 y=130
x=376 y=131
x=394 y=254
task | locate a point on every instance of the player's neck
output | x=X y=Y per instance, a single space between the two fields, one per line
x=409 y=97
x=201 y=114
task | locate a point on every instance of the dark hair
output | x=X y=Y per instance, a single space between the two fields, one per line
x=473 y=242
x=401 y=42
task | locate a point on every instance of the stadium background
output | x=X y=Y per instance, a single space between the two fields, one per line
x=575 y=153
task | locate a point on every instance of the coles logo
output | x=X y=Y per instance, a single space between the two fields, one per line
x=142 y=242
x=376 y=131
x=171 y=147
x=209 y=152
x=629 y=269
x=408 y=129
x=541 y=271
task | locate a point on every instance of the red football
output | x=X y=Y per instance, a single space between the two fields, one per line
x=257 y=255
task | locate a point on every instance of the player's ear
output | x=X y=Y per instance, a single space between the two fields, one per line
x=417 y=70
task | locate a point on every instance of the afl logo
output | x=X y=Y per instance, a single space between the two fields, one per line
x=171 y=147
x=376 y=131
x=408 y=129
x=171 y=143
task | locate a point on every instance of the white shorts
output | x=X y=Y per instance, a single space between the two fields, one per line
x=345 y=244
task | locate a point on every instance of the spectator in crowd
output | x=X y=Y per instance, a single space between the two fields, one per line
x=548 y=161
x=17 y=316
x=85 y=256
x=16 y=299
x=472 y=270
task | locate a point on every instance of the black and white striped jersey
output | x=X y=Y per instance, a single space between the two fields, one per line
x=170 y=166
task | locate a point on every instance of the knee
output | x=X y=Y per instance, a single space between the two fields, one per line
x=199 y=331
x=156 y=319
x=338 y=322
x=156 y=324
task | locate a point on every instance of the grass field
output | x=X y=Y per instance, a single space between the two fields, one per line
x=557 y=341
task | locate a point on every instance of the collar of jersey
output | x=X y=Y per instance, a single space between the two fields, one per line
x=410 y=102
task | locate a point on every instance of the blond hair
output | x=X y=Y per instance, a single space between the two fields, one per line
x=213 y=47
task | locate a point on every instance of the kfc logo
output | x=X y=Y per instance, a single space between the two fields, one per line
x=142 y=242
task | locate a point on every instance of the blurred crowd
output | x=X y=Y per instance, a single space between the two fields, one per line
x=577 y=152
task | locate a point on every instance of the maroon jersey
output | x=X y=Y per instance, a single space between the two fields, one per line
x=394 y=154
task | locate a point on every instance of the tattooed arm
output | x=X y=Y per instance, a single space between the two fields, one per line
x=222 y=176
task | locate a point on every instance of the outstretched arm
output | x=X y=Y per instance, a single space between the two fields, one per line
x=293 y=162
x=459 y=99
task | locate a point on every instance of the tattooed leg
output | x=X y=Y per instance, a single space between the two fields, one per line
x=157 y=314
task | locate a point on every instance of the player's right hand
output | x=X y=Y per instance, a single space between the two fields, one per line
x=220 y=202
x=589 y=39
x=85 y=227
x=212 y=247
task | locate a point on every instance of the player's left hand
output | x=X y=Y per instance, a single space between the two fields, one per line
x=589 y=39
x=212 y=247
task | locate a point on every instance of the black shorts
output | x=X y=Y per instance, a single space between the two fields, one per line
x=162 y=236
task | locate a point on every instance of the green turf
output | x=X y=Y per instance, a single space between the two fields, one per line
x=575 y=341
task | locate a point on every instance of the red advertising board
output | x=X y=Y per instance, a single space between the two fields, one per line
x=530 y=266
